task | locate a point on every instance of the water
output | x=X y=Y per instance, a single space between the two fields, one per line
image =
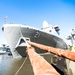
x=4 y=64
x=10 y=65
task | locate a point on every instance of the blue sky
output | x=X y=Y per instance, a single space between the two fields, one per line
x=34 y=12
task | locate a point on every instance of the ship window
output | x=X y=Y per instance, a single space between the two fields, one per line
x=50 y=31
x=57 y=28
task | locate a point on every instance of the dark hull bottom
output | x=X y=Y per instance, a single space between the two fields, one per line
x=22 y=51
x=41 y=38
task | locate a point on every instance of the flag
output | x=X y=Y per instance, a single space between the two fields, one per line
x=5 y=18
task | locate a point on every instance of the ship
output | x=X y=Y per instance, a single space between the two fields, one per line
x=47 y=35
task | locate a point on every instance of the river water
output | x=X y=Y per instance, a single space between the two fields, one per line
x=10 y=65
